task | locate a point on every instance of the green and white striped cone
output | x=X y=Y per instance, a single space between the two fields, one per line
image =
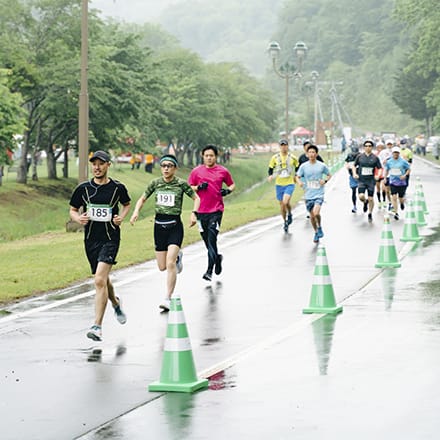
x=410 y=228
x=419 y=211
x=419 y=187
x=178 y=369
x=322 y=298
x=387 y=252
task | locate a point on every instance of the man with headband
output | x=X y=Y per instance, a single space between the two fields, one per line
x=168 y=191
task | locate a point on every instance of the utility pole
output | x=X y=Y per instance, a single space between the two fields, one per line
x=83 y=118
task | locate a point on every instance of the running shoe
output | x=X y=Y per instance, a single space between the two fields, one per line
x=319 y=232
x=316 y=238
x=119 y=313
x=165 y=305
x=370 y=217
x=179 y=262
x=218 y=264
x=354 y=210
x=365 y=206
x=402 y=206
x=396 y=216
x=207 y=276
x=286 y=226
x=95 y=333
x=390 y=206
x=289 y=218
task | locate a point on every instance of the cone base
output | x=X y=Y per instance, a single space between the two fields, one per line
x=397 y=264
x=179 y=387
x=411 y=239
x=324 y=310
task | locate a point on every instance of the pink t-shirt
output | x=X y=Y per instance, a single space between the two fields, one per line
x=210 y=198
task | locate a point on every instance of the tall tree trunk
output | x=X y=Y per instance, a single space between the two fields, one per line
x=51 y=162
x=22 y=168
x=66 y=160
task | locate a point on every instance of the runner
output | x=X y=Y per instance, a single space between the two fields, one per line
x=381 y=192
x=207 y=179
x=283 y=166
x=384 y=155
x=95 y=205
x=363 y=170
x=314 y=175
x=398 y=170
x=353 y=183
x=168 y=228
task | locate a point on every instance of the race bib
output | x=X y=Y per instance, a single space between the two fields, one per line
x=313 y=184
x=284 y=173
x=367 y=171
x=166 y=199
x=395 y=172
x=99 y=213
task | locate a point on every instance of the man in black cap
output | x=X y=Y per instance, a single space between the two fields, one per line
x=95 y=205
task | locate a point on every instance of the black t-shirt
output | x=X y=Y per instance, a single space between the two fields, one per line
x=365 y=166
x=105 y=200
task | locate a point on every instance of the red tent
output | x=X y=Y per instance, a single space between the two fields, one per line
x=301 y=131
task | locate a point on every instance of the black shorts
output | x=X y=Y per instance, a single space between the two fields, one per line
x=167 y=233
x=400 y=190
x=101 y=251
x=367 y=186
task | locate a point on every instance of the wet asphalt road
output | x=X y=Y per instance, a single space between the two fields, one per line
x=370 y=372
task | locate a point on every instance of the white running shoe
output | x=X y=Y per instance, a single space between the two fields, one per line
x=95 y=333
x=119 y=313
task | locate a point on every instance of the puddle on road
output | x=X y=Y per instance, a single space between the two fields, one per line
x=432 y=238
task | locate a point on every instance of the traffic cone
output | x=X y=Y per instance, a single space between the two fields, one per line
x=322 y=299
x=410 y=229
x=178 y=369
x=387 y=252
x=420 y=212
x=419 y=187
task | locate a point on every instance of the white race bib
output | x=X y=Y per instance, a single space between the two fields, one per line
x=367 y=171
x=99 y=213
x=313 y=184
x=165 y=199
x=284 y=173
x=395 y=172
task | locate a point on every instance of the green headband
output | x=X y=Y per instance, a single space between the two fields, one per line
x=169 y=159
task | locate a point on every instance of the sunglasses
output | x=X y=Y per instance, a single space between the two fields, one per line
x=167 y=165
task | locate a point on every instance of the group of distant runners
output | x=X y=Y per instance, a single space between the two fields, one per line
x=383 y=172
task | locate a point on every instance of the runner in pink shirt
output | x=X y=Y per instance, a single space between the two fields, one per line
x=208 y=179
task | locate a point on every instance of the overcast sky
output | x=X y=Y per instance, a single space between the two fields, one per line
x=136 y=11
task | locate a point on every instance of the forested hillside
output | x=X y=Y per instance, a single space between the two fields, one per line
x=359 y=42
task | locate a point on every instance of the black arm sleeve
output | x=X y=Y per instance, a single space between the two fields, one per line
x=270 y=171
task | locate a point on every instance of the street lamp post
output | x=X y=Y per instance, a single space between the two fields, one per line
x=287 y=71
x=83 y=118
x=315 y=76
